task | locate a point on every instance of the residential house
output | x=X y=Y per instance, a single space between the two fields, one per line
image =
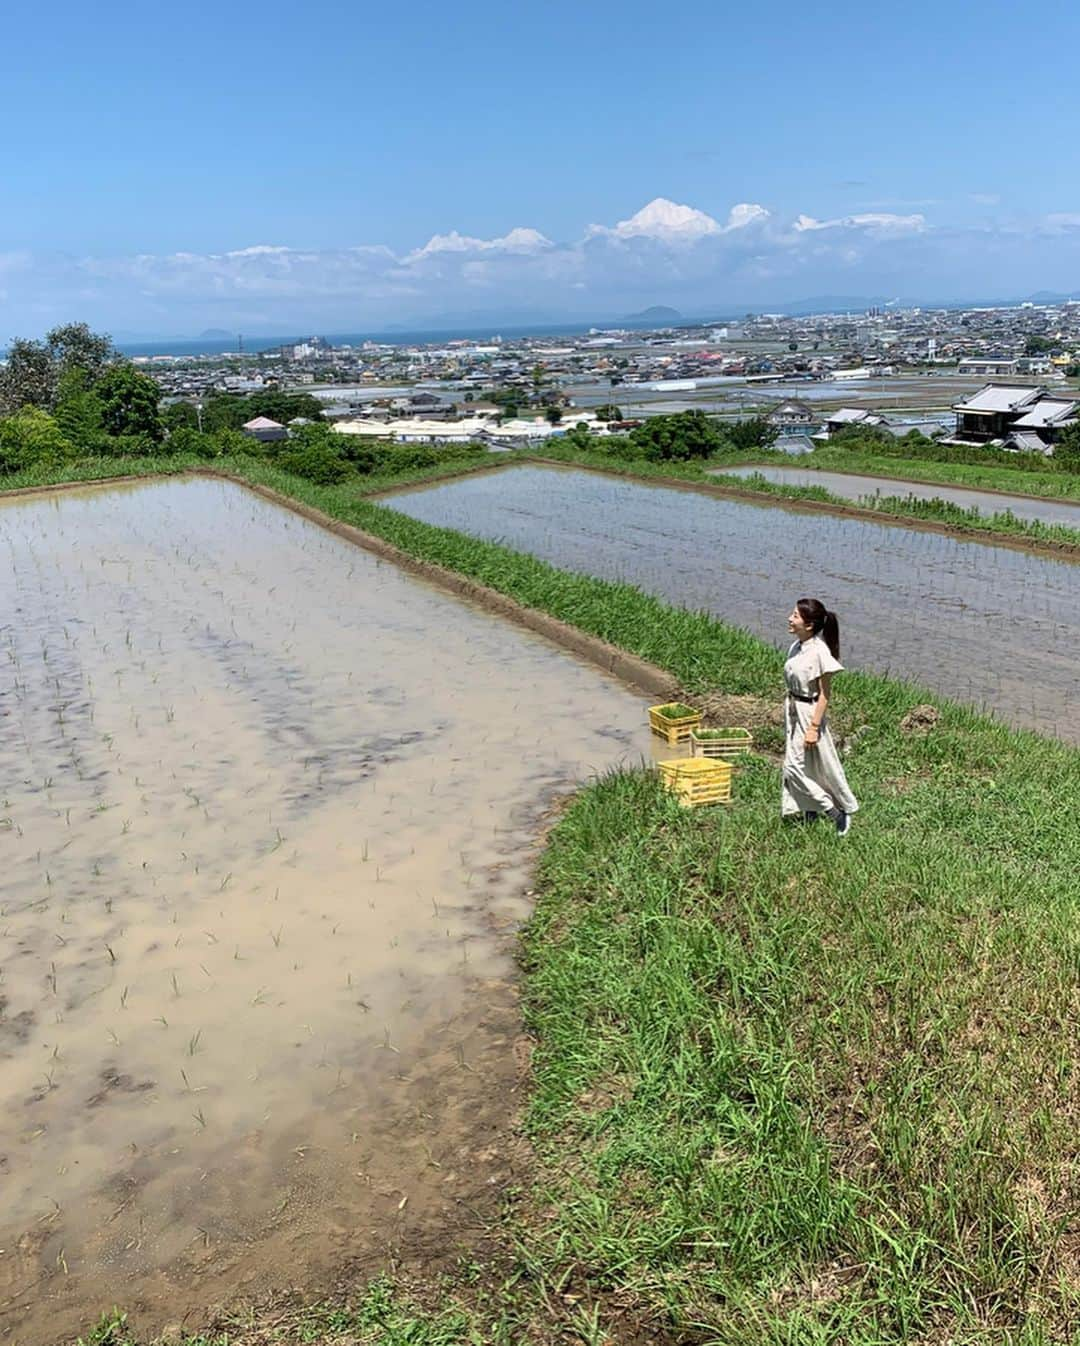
x=264 y=429
x=993 y=411
x=848 y=418
x=791 y=416
x=1038 y=428
x=988 y=364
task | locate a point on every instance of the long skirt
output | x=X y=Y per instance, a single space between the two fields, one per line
x=814 y=780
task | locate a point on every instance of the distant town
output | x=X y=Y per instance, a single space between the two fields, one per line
x=924 y=369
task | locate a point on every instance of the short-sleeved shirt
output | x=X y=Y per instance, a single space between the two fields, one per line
x=806 y=662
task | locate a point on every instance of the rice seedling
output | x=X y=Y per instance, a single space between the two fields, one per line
x=778 y=1077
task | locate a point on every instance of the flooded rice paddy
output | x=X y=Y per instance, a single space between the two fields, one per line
x=988 y=624
x=266 y=820
x=855 y=486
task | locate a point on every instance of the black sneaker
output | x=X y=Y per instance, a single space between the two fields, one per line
x=843 y=823
x=810 y=817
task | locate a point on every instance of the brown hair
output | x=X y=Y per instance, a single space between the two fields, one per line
x=822 y=622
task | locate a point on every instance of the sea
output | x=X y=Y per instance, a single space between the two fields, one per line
x=254 y=344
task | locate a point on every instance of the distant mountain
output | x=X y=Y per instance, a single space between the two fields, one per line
x=215 y=334
x=658 y=313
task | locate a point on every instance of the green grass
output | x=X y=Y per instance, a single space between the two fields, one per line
x=98 y=469
x=675 y=710
x=1002 y=523
x=382 y=1315
x=790 y=1089
x=103 y=469
x=771 y=1061
x=1019 y=476
x=999 y=523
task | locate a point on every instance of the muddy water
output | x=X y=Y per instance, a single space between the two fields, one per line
x=267 y=806
x=854 y=486
x=987 y=624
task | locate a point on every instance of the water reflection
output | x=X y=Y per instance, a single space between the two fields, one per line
x=854 y=486
x=265 y=799
x=990 y=625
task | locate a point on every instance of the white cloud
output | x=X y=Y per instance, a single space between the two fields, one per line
x=740 y=216
x=1062 y=222
x=258 y=250
x=664 y=253
x=663 y=220
x=881 y=221
x=516 y=241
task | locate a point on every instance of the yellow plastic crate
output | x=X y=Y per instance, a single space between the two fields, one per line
x=672 y=731
x=697 y=780
x=734 y=743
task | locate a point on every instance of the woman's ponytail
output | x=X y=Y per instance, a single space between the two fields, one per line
x=822 y=622
x=830 y=633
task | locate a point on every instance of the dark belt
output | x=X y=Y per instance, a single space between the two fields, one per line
x=810 y=700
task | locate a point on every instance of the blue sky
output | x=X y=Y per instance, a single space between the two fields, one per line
x=334 y=166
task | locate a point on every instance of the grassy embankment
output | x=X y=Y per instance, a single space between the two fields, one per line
x=789 y=1089
x=1002 y=523
x=1019 y=476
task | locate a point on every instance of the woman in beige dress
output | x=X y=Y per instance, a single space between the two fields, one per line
x=814 y=780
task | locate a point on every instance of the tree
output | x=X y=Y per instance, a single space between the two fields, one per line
x=35 y=370
x=609 y=412
x=1067 y=448
x=74 y=346
x=754 y=432
x=78 y=411
x=320 y=462
x=553 y=414
x=187 y=440
x=283 y=407
x=31 y=438
x=179 y=416
x=1038 y=345
x=687 y=434
x=129 y=403
x=29 y=377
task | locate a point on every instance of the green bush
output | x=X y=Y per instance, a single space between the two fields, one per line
x=185 y=439
x=32 y=438
x=1067 y=449
x=687 y=434
x=383 y=455
x=917 y=446
x=128 y=401
x=315 y=460
x=366 y=455
x=754 y=432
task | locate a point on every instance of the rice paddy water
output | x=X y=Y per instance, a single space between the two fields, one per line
x=977 y=622
x=266 y=819
x=862 y=487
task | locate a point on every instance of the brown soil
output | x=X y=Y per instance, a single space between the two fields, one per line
x=438 y=1149
x=720 y=710
x=920 y=720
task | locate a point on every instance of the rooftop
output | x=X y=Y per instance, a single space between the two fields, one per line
x=997 y=397
x=1047 y=411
